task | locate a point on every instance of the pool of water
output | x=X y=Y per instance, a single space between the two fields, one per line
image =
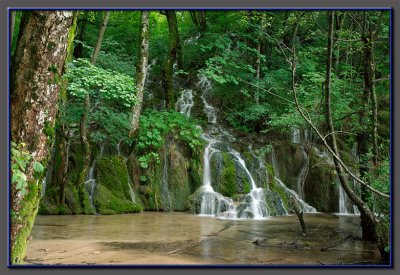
x=182 y=238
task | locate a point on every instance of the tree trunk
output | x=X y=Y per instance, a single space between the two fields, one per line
x=203 y=20
x=12 y=24
x=339 y=19
x=364 y=210
x=199 y=19
x=84 y=117
x=364 y=134
x=174 y=51
x=100 y=38
x=78 y=51
x=36 y=70
x=258 y=69
x=141 y=69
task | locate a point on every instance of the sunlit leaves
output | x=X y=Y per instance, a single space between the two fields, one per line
x=85 y=78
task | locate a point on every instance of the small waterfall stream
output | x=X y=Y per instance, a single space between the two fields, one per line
x=90 y=182
x=166 y=197
x=129 y=182
x=305 y=206
x=185 y=103
x=301 y=178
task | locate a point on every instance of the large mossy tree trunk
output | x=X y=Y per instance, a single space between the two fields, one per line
x=174 y=52
x=35 y=76
x=141 y=69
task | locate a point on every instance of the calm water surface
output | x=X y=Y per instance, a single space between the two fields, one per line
x=182 y=238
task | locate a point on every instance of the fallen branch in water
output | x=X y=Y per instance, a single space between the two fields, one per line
x=336 y=243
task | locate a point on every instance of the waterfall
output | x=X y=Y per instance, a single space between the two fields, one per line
x=295 y=135
x=342 y=200
x=302 y=174
x=185 y=102
x=305 y=206
x=43 y=191
x=213 y=203
x=91 y=184
x=119 y=147
x=166 y=197
x=257 y=204
x=274 y=162
x=131 y=193
x=205 y=85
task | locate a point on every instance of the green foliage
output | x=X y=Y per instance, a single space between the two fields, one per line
x=112 y=95
x=105 y=85
x=20 y=158
x=154 y=126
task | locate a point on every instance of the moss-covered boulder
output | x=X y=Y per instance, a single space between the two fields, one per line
x=228 y=176
x=320 y=187
x=112 y=194
x=166 y=184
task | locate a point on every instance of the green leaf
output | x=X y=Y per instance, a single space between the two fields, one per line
x=38 y=167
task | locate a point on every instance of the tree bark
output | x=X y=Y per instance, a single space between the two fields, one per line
x=199 y=19
x=203 y=20
x=174 y=51
x=364 y=210
x=36 y=70
x=78 y=51
x=141 y=69
x=84 y=117
x=100 y=38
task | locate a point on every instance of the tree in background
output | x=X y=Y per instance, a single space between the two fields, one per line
x=84 y=115
x=141 y=68
x=174 y=53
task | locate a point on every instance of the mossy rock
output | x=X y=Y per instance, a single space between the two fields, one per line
x=320 y=188
x=170 y=181
x=111 y=195
x=107 y=203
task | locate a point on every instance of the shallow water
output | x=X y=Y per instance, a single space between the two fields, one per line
x=182 y=238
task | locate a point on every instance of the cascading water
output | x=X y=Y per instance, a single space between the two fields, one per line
x=344 y=201
x=305 y=206
x=43 y=188
x=90 y=182
x=185 y=102
x=119 y=148
x=129 y=182
x=166 y=197
x=213 y=203
x=295 y=135
x=131 y=193
x=257 y=205
x=302 y=174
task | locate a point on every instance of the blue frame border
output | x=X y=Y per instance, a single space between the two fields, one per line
x=199 y=266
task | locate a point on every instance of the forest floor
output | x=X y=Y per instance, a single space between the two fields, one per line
x=184 y=239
